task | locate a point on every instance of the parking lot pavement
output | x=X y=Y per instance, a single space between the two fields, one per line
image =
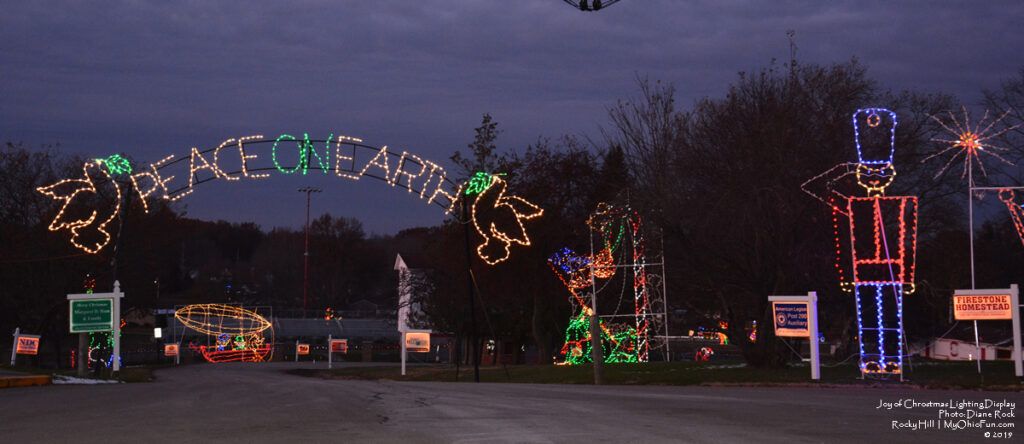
x=260 y=403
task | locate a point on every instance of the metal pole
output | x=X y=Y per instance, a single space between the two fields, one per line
x=812 y=324
x=305 y=255
x=596 y=352
x=664 y=297
x=305 y=260
x=116 y=360
x=82 y=359
x=472 y=297
x=330 y=357
x=1018 y=365
x=970 y=222
x=14 y=346
x=403 y=353
x=970 y=217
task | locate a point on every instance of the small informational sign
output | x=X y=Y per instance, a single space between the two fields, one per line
x=797 y=317
x=993 y=304
x=91 y=315
x=791 y=319
x=170 y=349
x=302 y=349
x=28 y=345
x=339 y=345
x=982 y=307
x=95 y=312
x=417 y=342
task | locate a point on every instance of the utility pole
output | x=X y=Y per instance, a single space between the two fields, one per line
x=305 y=255
x=474 y=344
x=596 y=350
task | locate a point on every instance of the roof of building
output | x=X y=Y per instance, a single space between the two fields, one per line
x=361 y=329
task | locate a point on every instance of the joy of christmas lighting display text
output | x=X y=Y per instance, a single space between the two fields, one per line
x=879 y=240
x=89 y=203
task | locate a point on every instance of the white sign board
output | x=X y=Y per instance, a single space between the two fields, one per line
x=799 y=314
x=93 y=311
x=992 y=304
x=791 y=319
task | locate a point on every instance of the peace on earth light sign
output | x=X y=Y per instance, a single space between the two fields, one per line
x=496 y=216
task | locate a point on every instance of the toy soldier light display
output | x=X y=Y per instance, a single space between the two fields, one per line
x=878 y=235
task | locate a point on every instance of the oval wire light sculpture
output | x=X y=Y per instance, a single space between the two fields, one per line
x=240 y=334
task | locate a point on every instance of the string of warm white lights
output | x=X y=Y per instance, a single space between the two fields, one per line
x=493 y=213
x=70 y=191
x=422 y=177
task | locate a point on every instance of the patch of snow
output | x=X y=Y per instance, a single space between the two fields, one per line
x=717 y=367
x=60 y=379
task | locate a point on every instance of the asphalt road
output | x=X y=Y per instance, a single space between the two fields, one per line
x=259 y=403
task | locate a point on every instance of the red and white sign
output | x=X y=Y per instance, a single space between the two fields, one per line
x=339 y=345
x=982 y=307
x=417 y=342
x=170 y=349
x=28 y=345
x=302 y=349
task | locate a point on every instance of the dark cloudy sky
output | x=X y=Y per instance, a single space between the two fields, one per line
x=156 y=78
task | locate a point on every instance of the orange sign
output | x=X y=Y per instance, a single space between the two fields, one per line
x=417 y=342
x=339 y=345
x=302 y=349
x=28 y=345
x=170 y=349
x=982 y=307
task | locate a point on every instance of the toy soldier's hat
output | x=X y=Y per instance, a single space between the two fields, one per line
x=874 y=131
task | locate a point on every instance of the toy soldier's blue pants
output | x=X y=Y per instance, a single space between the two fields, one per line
x=880 y=327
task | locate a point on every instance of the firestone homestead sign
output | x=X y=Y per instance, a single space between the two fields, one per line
x=982 y=307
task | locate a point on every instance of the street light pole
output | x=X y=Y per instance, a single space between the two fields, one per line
x=305 y=255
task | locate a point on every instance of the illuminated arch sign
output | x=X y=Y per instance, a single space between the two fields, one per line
x=256 y=157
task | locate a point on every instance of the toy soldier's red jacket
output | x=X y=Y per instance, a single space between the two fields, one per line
x=882 y=240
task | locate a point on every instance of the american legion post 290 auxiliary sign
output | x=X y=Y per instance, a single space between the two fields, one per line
x=797 y=317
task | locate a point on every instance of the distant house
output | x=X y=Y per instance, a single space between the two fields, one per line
x=965 y=350
x=411 y=281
